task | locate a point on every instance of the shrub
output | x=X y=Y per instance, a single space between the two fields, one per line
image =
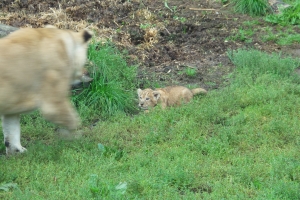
x=112 y=87
x=252 y=7
x=290 y=15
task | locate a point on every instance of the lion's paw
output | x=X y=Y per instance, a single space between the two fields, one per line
x=15 y=150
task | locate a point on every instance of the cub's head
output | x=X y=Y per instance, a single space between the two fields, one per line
x=148 y=98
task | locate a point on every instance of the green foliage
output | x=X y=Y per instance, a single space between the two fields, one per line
x=249 y=63
x=290 y=15
x=290 y=39
x=103 y=190
x=181 y=19
x=113 y=83
x=252 y=7
x=173 y=9
x=250 y=24
x=190 y=71
x=282 y=36
x=238 y=142
x=146 y=26
x=243 y=35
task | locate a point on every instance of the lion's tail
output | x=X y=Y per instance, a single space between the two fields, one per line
x=199 y=91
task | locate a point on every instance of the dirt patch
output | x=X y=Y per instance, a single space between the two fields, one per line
x=166 y=40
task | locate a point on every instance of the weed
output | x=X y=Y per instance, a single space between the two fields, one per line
x=173 y=9
x=289 y=39
x=146 y=26
x=243 y=35
x=289 y=15
x=181 y=19
x=113 y=83
x=250 y=23
x=270 y=37
x=282 y=37
x=189 y=71
x=102 y=190
x=252 y=7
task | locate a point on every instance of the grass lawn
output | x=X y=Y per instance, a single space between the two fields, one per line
x=239 y=142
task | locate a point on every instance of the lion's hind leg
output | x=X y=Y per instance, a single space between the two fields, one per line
x=12 y=134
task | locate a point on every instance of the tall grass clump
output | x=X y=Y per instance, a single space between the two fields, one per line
x=252 y=7
x=113 y=83
x=287 y=16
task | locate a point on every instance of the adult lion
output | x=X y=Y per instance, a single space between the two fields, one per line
x=37 y=68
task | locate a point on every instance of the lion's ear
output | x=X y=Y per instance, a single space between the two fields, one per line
x=156 y=95
x=87 y=35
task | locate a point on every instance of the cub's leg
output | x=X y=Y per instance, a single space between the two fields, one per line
x=12 y=134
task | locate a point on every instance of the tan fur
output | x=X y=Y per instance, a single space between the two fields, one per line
x=168 y=96
x=37 y=68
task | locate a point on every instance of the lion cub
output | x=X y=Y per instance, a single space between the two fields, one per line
x=168 y=96
x=37 y=68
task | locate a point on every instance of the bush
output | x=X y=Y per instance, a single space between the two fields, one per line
x=252 y=7
x=290 y=15
x=113 y=83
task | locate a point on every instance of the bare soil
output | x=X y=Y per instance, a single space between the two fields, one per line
x=163 y=39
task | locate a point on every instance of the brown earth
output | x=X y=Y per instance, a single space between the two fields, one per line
x=164 y=39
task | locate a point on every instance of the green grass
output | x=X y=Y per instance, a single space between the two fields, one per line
x=239 y=142
x=290 y=39
x=252 y=7
x=242 y=35
x=112 y=89
x=288 y=16
x=282 y=36
x=189 y=71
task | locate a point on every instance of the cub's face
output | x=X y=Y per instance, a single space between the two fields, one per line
x=147 y=98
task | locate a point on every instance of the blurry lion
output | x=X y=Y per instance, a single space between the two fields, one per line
x=38 y=67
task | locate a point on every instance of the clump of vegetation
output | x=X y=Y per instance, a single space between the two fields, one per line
x=243 y=35
x=289 y=15
x=113 y=83
x=252 y=7
x=189 y=71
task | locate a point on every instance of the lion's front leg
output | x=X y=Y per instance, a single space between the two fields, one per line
x=12 y=134
x=61 y=113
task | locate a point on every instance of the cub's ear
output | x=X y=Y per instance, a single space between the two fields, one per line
x=139 y=91
x=156 y=95
x=86 y=35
